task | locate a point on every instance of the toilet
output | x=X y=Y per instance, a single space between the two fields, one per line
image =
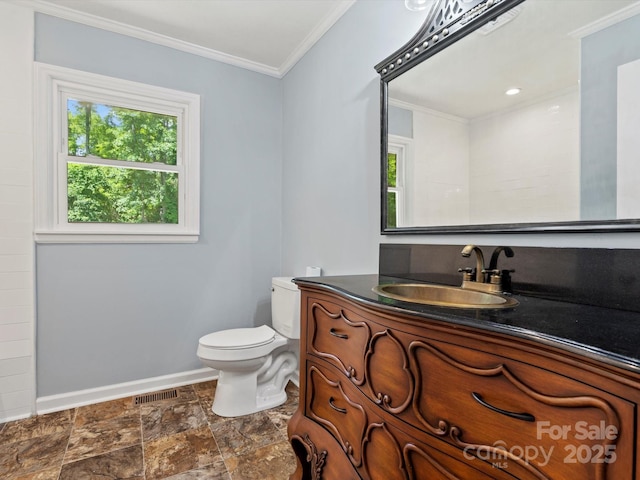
x=255 y=364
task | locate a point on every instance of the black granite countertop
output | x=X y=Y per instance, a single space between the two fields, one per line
x=609 y=335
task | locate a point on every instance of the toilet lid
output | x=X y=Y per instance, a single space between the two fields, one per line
x=239 y=338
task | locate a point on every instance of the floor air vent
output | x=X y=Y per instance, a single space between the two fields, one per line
x=155 y=397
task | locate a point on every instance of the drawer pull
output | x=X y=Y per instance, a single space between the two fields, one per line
x=527 y=417
x=339 y=335
x=335 y=407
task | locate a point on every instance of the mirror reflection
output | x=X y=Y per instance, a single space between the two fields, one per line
x=532 y=118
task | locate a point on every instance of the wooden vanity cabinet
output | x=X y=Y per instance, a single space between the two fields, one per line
x=387 y=395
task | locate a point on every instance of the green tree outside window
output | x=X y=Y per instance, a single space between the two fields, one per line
x=392 y=165
x=120 y=194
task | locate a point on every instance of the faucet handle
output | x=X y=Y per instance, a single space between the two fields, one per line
x=495 y=276
x=502 y=278
x=467 y=273
x=498 y=272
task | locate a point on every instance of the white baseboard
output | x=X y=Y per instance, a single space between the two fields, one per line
x=64 y=401
x=21 y=415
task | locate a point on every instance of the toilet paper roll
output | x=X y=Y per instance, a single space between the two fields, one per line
x=314 y=271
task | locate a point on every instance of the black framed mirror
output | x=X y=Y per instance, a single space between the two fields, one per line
x=559 y=152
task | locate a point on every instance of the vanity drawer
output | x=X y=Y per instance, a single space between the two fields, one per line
x=375 y=442
x=338 y=335
x=545 y=421
x=424 y=458
x=336 y=405
x=391 y=454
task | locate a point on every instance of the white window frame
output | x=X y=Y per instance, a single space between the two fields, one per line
x=401 y=147
x=53 y=86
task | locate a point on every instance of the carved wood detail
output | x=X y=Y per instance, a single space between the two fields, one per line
x=409 y=449
x=338 y=430
x=381 y=465
x=314 y=458
x=425 y=402
x=495 y=451
x=349 y=370
x=455 y=432
x=383 y=398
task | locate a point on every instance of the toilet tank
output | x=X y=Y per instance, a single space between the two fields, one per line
x=285 y=307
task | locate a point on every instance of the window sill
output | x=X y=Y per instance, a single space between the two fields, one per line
x=59 y=237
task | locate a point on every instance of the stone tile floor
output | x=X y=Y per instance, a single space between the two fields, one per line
x=177 y=439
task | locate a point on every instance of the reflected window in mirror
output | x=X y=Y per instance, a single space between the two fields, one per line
x=398 y=153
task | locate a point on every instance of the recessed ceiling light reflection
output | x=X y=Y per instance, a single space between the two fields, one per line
x=513 y=91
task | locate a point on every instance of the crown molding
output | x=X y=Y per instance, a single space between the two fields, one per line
x=315 y=35
x=429 y=111
x=607 y=21
x=43 y=6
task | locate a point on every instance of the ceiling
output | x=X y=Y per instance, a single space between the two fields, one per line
x=268 y=36
x=536 y=49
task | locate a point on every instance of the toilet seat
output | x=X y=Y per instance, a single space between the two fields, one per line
x=237 y=338
x=239 y=344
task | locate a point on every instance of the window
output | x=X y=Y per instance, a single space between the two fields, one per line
x=118 y=160
x=392 y=190
x=396 y=159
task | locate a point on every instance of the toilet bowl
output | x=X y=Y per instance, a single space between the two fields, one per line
x=255 y=364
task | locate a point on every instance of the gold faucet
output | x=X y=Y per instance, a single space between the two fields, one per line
x=466 y=252
x=490 y=280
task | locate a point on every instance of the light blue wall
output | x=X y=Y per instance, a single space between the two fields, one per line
x=115 y=313
x=400 y=121
x=331 y=209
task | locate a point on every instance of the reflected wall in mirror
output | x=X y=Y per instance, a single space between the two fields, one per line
x=562 y=152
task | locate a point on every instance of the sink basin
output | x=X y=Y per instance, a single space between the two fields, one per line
x=443 y=296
